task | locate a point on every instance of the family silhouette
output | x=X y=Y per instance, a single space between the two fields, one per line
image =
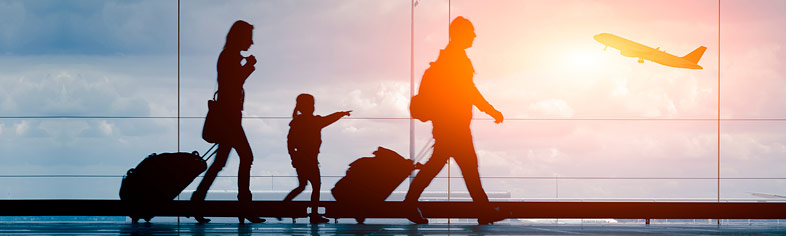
x=446 y=96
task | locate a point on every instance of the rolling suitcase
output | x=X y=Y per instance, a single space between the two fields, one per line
x=370 y=180
x=158 y=179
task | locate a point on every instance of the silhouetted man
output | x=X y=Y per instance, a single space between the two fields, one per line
x=456 y=93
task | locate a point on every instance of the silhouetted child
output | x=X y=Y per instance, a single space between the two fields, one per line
x=303 y=143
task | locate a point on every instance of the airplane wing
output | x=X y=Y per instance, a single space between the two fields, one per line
x=767 y=195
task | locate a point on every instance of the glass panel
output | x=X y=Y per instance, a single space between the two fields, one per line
x=753 y=68
x=538 y=59
x=82 y=146
x=89 y=58
x=752 y=159
x=77 y=158
x=753 y=190
x=350 y=55
x=536 y=151
x=58 y=187
x=342 y=143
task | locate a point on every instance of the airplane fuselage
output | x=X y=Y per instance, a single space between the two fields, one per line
x=629 y=48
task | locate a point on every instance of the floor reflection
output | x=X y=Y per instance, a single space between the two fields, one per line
x=189 y=228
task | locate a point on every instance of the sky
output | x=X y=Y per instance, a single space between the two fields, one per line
x=573 y=109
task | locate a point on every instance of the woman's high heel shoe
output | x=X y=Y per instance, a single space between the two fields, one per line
x=252 y=219
x=201 y=220
x=317 y=219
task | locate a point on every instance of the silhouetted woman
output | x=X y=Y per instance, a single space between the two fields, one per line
x=303 y=143
x=232 y=73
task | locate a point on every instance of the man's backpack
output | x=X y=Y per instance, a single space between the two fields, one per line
x=423 y=106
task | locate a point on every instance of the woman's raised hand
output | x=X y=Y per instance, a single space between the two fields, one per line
x=251 y=60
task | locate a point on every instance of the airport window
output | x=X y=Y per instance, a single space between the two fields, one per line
x=90 y=88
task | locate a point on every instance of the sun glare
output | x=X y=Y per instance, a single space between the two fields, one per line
x=584 y=61
x=579 y=62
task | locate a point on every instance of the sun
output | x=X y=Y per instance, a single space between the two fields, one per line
x=578 y=62
x=583 y=60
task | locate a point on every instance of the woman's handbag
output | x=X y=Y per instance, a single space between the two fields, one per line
x=211 y=131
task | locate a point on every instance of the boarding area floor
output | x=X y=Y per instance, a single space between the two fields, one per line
x=279 y=228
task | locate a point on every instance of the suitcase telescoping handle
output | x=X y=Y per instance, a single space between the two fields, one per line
x=423 y=153
x=211 y=154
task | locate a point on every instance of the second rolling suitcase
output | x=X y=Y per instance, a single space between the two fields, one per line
x=370 y=180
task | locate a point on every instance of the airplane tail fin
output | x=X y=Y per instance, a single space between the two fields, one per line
x=695 y=55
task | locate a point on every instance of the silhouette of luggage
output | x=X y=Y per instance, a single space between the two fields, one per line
x=370 y=180
x=158 y=179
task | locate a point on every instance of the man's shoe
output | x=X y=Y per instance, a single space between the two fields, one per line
x=487 y=221
x=494 y=215
x=417 y=217
x=317 y=219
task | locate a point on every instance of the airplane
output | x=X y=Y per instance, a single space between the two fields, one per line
x=768 y=195
x=633 y=49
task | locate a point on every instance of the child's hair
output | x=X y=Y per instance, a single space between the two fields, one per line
x=303 y=99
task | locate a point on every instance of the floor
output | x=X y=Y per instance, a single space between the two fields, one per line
x=278 y=228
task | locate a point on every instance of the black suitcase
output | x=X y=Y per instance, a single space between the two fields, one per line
x=370 y=180
x=158 y=179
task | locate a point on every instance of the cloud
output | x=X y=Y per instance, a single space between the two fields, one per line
x=752 y=147
x=79 y=85
x=22 y=128
x=66 y=86
x=551 y=108
x=88 y=27
x=751 y=84
x=74 y=146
